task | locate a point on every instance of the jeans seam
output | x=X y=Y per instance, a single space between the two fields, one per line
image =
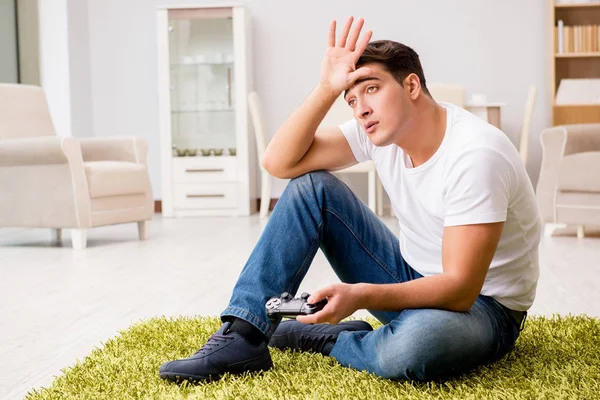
x=306 y=259
x=381 y=264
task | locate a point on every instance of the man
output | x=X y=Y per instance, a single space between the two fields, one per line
x=452 y=291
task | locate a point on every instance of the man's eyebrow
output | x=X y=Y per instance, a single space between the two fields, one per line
x=358 y=82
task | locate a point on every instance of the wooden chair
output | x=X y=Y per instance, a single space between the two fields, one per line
x=526 y=125
x=447 y=93
x=337 y=115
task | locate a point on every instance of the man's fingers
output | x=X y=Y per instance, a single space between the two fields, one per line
x=342 y=39
x=332 y=33
x=362 y=44
x=320 y=317
x=319 y=295
x=353 y=38
x=359 y=73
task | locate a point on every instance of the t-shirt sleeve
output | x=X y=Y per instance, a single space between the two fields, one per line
x=359 y=142
x=478 y=187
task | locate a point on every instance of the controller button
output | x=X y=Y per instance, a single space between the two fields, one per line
x=273 y=303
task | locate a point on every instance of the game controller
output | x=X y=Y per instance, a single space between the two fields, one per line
x=287 y=306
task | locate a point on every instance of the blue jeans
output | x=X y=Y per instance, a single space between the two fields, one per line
x=317 y=210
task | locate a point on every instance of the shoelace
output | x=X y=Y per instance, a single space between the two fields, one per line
x=213 y=342
x=308 y=342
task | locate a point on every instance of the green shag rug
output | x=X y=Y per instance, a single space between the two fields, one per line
x=555 y=358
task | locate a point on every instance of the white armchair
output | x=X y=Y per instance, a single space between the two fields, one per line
x=48 y=181
x=568 y=189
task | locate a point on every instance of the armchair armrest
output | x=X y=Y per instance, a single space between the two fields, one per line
x=581 y=138
x=43 y=183
x=126 y=148
x=42 y=150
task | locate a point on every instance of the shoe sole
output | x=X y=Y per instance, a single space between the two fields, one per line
x=193 y=378
x=178 y=377
x=175 y=377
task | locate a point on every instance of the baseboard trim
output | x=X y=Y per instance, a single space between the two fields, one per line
x=158 y=205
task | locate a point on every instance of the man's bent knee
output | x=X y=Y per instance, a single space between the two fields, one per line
x=409 y=363
x=315 y=179
x=430 y=345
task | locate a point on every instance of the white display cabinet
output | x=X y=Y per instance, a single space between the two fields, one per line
x=204 y=77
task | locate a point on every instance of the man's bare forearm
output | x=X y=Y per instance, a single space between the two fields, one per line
x=293 y=139
x=440 y=292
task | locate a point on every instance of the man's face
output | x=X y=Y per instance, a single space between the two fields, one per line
x=380 y=105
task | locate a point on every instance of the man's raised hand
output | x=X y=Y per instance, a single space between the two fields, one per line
x=338 y=70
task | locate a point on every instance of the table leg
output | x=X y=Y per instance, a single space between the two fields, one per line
x=494 y=116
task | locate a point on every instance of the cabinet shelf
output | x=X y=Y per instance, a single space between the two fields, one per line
x=578 y=55
x=198 y=64
x=217 y=110
x=578 y=105
x=578 y=5
x=576 y=113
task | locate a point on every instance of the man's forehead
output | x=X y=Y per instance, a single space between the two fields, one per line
x=374 y=76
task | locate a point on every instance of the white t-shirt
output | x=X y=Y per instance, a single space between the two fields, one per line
x=475 y=176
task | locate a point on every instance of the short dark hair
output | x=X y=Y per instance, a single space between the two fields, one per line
x=397 y=58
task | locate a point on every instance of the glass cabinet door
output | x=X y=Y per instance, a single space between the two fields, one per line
x=202 y=85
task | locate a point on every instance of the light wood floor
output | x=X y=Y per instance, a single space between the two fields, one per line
x=57 y=304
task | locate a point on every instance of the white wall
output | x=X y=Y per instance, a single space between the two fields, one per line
x=54 y=62
x=467 y=42
x=64 y=65
x=82 y=119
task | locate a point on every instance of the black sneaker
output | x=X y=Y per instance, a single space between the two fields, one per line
x=223 y=352
x=318 y=338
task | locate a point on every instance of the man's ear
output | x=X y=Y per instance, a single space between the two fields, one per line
x=412 y=84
